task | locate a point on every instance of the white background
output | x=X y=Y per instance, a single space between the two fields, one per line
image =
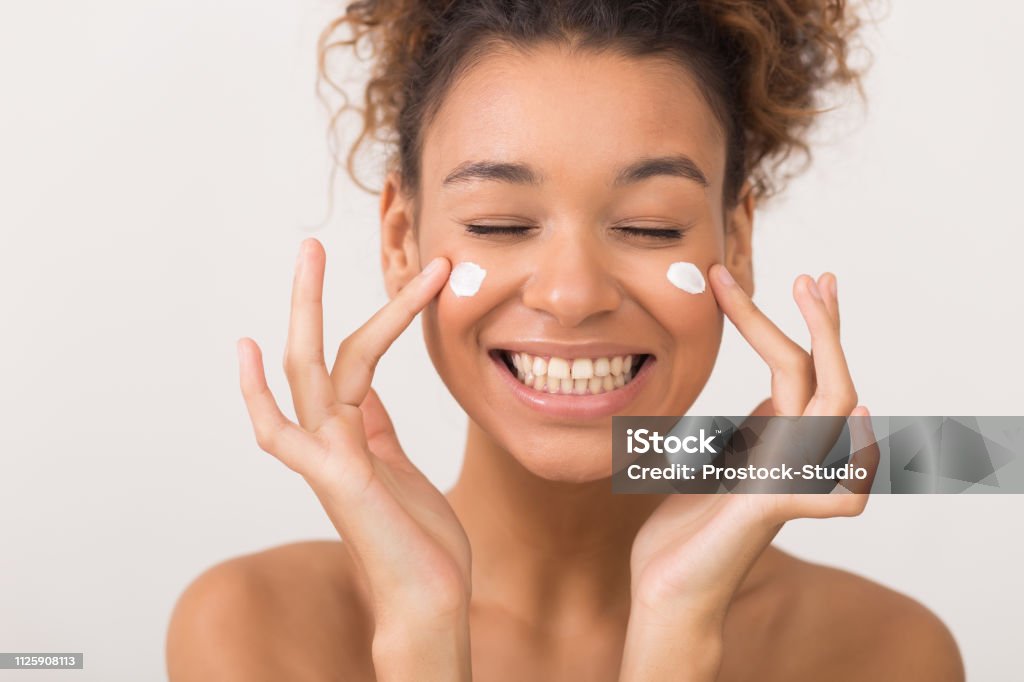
x=159 y=164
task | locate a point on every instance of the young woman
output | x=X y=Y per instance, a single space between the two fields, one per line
x=572 y=151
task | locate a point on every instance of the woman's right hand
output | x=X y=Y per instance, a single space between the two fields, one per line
x=408 y=545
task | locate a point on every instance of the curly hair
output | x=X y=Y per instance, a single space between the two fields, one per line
x=762 y=65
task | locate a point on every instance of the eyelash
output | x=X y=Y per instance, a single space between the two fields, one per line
x=519 y=230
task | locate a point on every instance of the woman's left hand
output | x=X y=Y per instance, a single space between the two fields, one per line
x=692 y=554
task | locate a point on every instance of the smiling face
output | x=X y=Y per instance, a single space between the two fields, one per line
x=575 y=181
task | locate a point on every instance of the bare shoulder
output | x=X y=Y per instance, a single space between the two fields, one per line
x=290 y=612
x=857 y=629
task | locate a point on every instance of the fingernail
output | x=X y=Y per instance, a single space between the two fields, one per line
x=833 y=284
x=724 y=276
x=432 y=267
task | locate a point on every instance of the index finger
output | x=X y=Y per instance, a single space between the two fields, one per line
x=784 y=356
x=359 y=354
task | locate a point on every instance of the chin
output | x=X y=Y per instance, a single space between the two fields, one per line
x=566 y=458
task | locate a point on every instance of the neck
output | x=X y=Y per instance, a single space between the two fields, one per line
x=545 y=551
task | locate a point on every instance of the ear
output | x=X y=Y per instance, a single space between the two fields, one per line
x=739 y=224
x=399 y=252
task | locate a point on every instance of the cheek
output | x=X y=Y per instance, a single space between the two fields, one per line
x=676 y=293
x=473 y=285
x=693 y=323
x=672 y=286
x=480 y=283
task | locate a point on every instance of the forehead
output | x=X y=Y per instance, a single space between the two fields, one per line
x=582 y=114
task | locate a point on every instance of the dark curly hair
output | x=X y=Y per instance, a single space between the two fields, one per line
x=762 y=65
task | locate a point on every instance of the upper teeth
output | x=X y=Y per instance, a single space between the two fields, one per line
x=578 y=376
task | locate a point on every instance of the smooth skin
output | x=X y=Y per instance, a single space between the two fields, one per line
x=529 y=568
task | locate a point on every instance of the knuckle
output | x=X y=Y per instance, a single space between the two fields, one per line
x=348 y=346
x=295 y=363
x=838 y=403
x=406 y=306
x=269 y=434
x=747 y=306
x=355 y=351
x=853 y=505
x=266 y=438
x=368 y=359
x=803 y=362
x=852 y=399
x=797 y=362
x=288 y=363
x=345 y=426
x=844 y=399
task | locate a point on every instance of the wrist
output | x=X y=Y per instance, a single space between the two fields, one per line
x=696 y=610
x=686 y=647
x=434 y=649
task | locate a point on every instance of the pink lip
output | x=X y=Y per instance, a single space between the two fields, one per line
x=571 y=351
x=576 y=406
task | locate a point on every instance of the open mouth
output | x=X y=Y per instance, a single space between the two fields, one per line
x=575 y=376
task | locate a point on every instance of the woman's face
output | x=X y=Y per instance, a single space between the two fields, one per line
x=575 y=181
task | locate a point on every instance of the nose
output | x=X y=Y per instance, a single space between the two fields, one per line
x=571 y=281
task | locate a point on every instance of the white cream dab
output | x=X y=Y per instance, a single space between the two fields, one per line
x=686 y=276
x=466 y=279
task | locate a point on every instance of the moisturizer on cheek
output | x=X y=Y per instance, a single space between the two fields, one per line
x=466 y=279
x=686 y=276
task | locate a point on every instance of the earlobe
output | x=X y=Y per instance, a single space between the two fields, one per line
x=399 y=252
x=738 y=240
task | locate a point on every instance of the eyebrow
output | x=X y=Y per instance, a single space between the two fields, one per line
x=678 y=165
x=502 y=171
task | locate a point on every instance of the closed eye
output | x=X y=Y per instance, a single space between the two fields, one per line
x=666 y=233
x=499 y=230
x=652 y=232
